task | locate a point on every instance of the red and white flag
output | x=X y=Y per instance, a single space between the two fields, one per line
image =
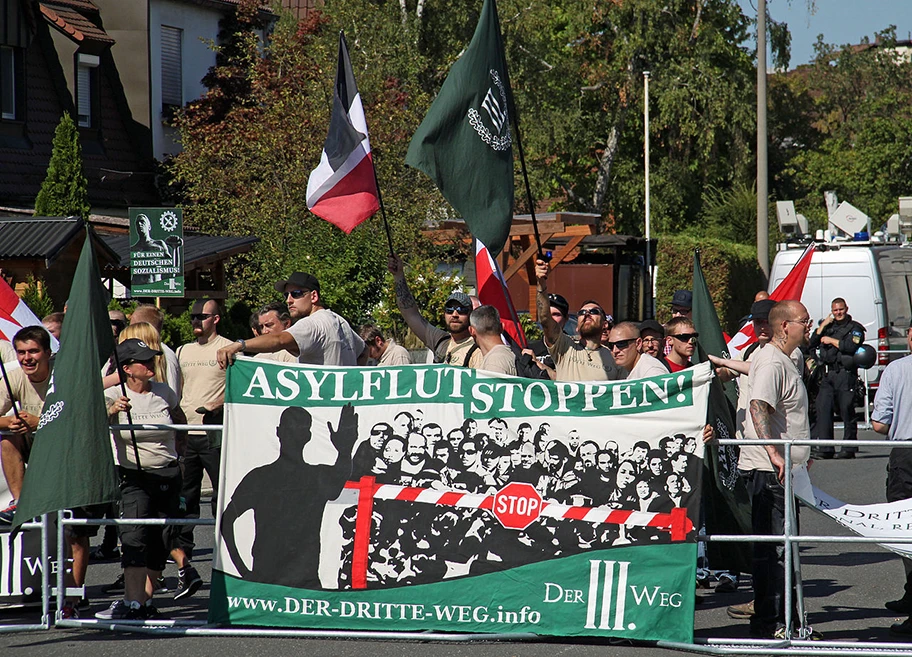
x=14 y=314
x=790 y=289
x=343 y=188
x=492 y=290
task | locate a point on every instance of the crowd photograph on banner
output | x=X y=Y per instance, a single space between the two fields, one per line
x=481 y=318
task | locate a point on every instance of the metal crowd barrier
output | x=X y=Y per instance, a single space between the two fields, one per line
x=712 y=646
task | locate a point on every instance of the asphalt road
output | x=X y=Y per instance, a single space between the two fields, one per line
x=845 y=586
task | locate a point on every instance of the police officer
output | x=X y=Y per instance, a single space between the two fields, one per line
x=836 y=340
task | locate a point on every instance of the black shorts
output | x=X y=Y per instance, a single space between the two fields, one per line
x=147 y=494
x=92 y=512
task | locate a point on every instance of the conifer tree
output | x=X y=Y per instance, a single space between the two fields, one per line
x=64 y=191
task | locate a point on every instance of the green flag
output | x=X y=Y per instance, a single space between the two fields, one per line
x=726 y=502
x=464 y=143
x=72 y=463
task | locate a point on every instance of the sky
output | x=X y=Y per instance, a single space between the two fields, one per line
x=840 y=21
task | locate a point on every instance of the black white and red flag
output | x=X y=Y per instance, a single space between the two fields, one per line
x=343 y=188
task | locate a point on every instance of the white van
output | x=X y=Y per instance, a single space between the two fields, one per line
x=874 y=281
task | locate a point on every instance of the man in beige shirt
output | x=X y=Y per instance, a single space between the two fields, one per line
x=385 y=351
x=203 y=398
x=29 y=384
x=586 y=360
x=485 y=328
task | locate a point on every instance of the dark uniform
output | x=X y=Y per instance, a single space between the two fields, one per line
x=837 y=382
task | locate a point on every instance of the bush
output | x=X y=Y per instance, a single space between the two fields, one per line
x=730 y=269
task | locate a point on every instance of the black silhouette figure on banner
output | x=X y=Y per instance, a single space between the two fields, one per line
x=286 y=549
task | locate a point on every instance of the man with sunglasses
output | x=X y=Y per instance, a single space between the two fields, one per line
x=202 y=399
x=454 y=345
x=626 y=346
x=560 y=313
x=318 y=337
x=586 y=360
x=681 y=338
x=778 y=410
x=653 y=335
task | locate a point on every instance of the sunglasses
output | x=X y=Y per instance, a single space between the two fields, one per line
x=595 y=312
x=199 y=317
x=686 y=337
x=456 y=310
x=297 y=294
x=469 y=452
x=805 y=322
x=620 y=345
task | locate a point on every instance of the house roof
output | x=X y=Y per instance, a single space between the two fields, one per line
x=199 y=250
x=71 y=17
x=40 y=237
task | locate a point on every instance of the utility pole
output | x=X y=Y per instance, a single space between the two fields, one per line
x=762 y=169
x=650 y=297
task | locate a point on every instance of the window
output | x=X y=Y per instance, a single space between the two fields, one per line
x=87 y=89
x=9 y=82
x=172 y=85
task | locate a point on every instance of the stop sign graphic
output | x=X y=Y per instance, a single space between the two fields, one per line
x=517 y=505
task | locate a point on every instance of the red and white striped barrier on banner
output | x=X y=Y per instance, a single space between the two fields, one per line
x=676 y=523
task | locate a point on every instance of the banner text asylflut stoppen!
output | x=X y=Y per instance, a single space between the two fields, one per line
x=481 y=395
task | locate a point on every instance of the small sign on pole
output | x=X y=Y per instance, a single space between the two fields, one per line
x=156 y=252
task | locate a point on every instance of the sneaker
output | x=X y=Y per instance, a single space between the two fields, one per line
x=727 y=584
x=69 y=611
x=188 y=582
x=801 y=633
x=6 y=515
x=82 y=604
x=121 y=610
x=161 y=586
x=904 y=628
x=150 y=611
x=116 y=587
x=741 y=612
x=901 y=606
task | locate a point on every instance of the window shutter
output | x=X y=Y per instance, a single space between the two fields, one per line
x=172 y=81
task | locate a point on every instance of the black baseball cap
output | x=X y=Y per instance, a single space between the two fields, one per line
x=761 y=309
x=560 y=303
x=135 y=349
x=682 y=298
x=652 y=325
x=300 y=280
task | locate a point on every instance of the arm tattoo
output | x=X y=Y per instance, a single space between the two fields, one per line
x=760 y=415
x=404 y=296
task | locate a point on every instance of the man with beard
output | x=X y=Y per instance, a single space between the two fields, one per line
x=418 y=469
x=318 y=337
x=778 y=410
x=653 y=336
x=453 y=346
x=586 y=360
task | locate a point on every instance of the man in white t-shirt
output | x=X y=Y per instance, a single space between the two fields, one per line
x=626 y=346
x=485 y=328
x=318 y=337
x=778 y=410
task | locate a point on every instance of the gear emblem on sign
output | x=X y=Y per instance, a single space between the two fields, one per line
x=168 y=221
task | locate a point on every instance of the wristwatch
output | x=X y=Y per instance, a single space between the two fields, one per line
x=243 y=344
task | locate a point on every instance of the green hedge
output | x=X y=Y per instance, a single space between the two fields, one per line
x=730 y=269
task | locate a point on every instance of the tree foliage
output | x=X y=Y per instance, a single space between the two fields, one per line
x=64 y=191
x=851 y=130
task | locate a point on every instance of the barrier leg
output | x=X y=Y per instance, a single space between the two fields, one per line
x=61 y=566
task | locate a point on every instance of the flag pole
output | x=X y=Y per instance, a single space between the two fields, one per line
x=9 y=391
x=519 y=147
x=123 y=390
x=386 y=226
